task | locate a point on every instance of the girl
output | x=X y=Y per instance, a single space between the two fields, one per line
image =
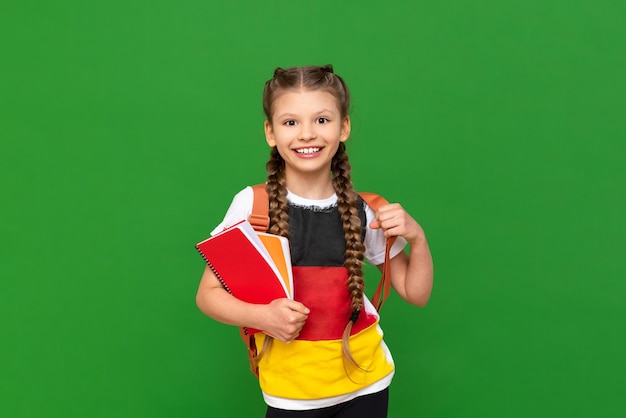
x=326 y=356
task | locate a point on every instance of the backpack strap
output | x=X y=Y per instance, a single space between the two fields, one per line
x=383 y=290
x=259 y=218
x=250 y=343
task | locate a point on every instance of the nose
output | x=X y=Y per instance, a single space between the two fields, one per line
x=307 y=132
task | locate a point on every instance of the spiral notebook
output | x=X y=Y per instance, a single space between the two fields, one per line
x=254 y=267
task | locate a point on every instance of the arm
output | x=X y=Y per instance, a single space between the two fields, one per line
x=283 y=318
x=412 y=274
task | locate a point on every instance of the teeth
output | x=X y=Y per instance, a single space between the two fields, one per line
x=307 y=150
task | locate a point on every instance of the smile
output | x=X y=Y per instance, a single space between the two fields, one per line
x=307 y=151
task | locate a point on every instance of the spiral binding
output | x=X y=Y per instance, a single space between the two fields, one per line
x=215 y=272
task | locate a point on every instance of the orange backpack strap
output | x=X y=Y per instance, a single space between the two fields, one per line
x=250 y=343
x=383 y=290
x=259 y=218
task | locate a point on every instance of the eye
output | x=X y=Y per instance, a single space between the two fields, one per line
x=289 y=122
x=322 y=120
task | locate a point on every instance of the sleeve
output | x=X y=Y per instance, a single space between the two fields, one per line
x=375 y=241
x=239 y=209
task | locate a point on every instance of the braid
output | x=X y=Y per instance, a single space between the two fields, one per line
x=347 y=205
x=277 y=194
x=278 y=213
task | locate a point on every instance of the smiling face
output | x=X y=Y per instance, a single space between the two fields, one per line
x=306 y=128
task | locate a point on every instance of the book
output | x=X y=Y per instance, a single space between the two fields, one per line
x=254 y=267
x=278 y=248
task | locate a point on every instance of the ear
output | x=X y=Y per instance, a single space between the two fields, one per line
x=269 y=134
x=345 y=129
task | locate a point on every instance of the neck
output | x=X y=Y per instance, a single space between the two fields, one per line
x=310 y=187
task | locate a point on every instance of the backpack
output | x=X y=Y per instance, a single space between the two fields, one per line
x=259 y=219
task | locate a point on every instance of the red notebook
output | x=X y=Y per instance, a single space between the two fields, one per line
x=244 y=266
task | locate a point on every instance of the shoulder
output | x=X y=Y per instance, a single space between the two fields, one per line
x=244 y=196
x=371 y=202
x=242 y=200
x=239 y=209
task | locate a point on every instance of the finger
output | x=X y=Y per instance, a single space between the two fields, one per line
x=388 y=208
x=389 y=222
x=387 y=215
x=298 y=307
x=396 y=231
x=293 y=319
x=298 y=322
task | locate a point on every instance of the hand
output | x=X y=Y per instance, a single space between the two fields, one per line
x=395 y=221
x=285 y=318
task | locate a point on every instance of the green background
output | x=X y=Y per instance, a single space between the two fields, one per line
x=127 y=127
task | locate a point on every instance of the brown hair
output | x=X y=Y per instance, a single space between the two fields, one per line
x=307 y=78
x=319 y=78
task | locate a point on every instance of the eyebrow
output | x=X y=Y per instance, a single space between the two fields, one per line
x=320 y=112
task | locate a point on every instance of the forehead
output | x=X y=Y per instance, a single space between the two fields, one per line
x=304 y=102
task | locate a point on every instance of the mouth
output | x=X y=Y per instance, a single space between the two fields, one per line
x=307 y=151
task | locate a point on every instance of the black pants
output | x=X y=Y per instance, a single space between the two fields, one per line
x=370 y=406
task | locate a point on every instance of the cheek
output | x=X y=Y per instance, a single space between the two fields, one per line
x=334 y=132
x=282 y=135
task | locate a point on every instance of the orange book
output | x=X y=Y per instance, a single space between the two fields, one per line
x=278 y=248
x=253 y=267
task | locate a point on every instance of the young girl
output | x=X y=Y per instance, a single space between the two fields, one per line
x=326 y=356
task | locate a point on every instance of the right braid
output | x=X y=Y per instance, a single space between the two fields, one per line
x=278 y=213
x=277 y=195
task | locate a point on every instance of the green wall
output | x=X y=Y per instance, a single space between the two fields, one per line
x=126 y=127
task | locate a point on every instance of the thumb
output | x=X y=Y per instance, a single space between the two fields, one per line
x=375 y=225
